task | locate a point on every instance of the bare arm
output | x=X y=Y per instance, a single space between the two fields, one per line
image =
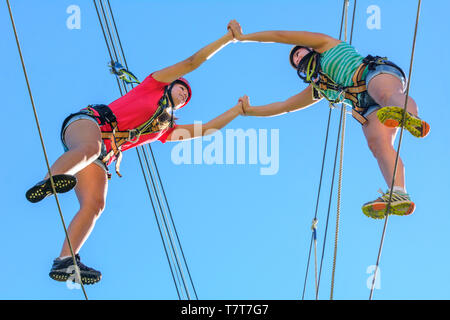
x=179 y=69
x=191 y=131
x=299 y=101
x=318 y=41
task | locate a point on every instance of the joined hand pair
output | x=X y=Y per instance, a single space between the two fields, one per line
x=235 y=29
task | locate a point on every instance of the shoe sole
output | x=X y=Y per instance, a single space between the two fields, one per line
x=64 y=276
x=392 y=117
x=43 y=189
x=378 y=210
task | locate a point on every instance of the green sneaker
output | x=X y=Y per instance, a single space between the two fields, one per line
x=392 y=117
x=401 y=205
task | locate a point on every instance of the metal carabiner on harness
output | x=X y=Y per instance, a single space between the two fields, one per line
x=123 y=74
x=134 y=135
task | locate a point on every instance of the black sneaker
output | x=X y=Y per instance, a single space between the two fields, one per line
x=64 y=269
x=43 y=189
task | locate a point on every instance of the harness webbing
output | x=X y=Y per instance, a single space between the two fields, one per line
x=117 y=137
x=322 y=82
x=309 y=70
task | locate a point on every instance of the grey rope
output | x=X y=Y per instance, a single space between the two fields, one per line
x=398 y=152
x=77 y=270
x=166 y=232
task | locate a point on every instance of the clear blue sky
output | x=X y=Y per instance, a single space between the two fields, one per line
x=245 y=235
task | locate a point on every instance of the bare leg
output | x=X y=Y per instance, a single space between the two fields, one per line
x=380 y=140
x=387 y=90
x=91 y=191
x=83 y=138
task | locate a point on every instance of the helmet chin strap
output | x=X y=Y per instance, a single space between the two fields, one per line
x=172 y=104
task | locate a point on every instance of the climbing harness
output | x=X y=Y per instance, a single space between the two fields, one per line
x=309 y=70
x=158 y=122
x=118 y=138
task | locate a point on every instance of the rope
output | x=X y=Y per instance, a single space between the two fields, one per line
x=77 y=270
x=341 y=158
x=159 y=226
x=314 y=235
x=398 y=151
x=172 y=220
x=166 y=227
x=173 y=253
x=167 y=230
x=338 y=211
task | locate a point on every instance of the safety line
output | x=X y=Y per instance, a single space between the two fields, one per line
x=173 y=222
x=109 y=42
x=330 y=199
x=159 y=226
x=341 y=157
x=167 y=230
x=338 y=210
x=114 y=38
x=398 y=151
x=315 y=221
x=77 y=270
x=314 y=234
x=157 y=189
x=159 y=177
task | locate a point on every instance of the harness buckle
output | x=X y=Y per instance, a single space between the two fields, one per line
x=133 y=135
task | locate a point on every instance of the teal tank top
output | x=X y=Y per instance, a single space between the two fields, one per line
x=340 y=63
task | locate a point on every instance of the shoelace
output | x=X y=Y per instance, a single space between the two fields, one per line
x=395 y=196
x=80 y=265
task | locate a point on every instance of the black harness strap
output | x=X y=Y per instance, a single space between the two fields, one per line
x=117 y=137
x=309 y=70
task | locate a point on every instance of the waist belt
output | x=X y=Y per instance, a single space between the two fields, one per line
x=116 y=137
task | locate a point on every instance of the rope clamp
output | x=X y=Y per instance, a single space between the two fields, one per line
x=314 y=224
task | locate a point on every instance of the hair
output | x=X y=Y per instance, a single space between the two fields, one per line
x=293 y=51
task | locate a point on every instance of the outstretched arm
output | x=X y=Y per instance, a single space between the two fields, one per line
x=191 y=131
x=179 y=69
x=299 y=101
x=318 y=41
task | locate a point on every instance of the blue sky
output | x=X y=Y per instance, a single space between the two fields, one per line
x=245 y=235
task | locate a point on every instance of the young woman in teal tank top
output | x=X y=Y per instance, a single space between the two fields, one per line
x=385 y=93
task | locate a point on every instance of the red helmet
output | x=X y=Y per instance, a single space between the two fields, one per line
x=184 y=82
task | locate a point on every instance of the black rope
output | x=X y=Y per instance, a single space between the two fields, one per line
x=317 y=201
x=110 y=43
x=321 y=177
x=331 y=196
x=173 y=222
x=157 y=222
x=172 y=257
x=107 y=43
x=166 y=226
